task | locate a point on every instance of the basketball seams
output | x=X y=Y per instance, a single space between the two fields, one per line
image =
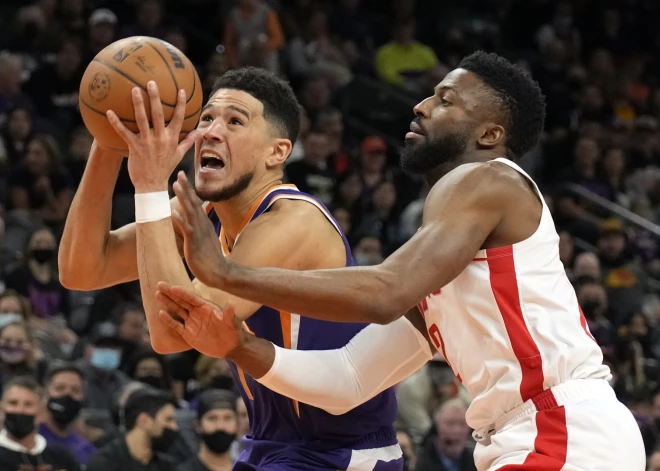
x=129 y=78
x=127 y=120
x=176 y=85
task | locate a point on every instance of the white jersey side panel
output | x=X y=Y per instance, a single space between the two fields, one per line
x=510 y=325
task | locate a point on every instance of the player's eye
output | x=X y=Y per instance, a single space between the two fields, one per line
x=206 y=119
x=444 y=102
x=236 y=122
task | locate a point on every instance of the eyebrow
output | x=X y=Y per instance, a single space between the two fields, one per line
x=231 y=107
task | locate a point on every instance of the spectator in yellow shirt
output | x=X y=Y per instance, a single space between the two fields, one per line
x=405 y=62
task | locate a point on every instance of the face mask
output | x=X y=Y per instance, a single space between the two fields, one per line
x=42 y=256
x=12 y=355
x=222 y=382
x=9 y=317
x=105 y=358
x=64 y=409
x=164 y=441
x=218 y=441
x=365 y=260
x=591 y=309
x=19 y=425
x=151 y=380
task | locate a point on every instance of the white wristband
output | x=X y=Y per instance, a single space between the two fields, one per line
x=150 y=207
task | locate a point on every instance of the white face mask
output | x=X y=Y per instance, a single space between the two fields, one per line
x=7 y=318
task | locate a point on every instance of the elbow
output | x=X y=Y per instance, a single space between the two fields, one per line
x=386 y=315
x=73 y=275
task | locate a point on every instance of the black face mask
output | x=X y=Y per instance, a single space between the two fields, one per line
x=222 y=382
x=164 y=441
x=591 y=309
x=218 y=441
x=64 y=409
x=19 y=425
x=42 y=256
x=151 y=380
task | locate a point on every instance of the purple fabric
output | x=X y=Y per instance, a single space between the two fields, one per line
x=81 y=448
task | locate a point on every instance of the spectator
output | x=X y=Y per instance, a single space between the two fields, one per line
x=404 y=62
x=54 y=87
x=623 y=278
x=101 y=31
x=315 y=94
x=149 y=20
x=17 y=131
x=253 y=35
x=382 y=218
x=368 y=251
x=587 y=266
x=64 y=392
x=36 y=278
x=11 y=78
x=448 y=448
x=14 y=308
x=20 y=444
x=150 y=368
x=19 y=356
x=103 y=382
x=217 y=427
x=40 y=185
x=150 y=431
x=79 y=149
x=348 y=194
x=312 y=174
x=566 y=250
x=593 y=301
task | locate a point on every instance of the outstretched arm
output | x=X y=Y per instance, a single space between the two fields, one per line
x=344 y=378
x=461 y=211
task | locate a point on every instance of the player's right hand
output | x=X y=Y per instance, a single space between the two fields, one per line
x=206 y=327
x=200 y=242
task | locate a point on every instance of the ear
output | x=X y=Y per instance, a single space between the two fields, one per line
x=279 y=152
x=144 y=421
x=491 y=135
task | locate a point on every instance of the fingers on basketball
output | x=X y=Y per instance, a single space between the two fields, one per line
x=157 y=116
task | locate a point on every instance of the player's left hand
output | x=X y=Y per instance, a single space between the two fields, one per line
x=204 y=325
x=200 y=242
x=155 y=151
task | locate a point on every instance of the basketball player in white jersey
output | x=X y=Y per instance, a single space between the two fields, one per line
x=482 y=275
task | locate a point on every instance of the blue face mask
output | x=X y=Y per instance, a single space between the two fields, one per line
x=105 y=358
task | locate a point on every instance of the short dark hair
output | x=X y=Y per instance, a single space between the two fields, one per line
x=281 y=107
x=145 y=400
x=62 y=367
x=518 y=95
x=27 y=382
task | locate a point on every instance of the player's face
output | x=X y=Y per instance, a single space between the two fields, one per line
x=233 y=140
x=444 y=125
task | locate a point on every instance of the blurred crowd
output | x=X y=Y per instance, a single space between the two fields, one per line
x=76 y=368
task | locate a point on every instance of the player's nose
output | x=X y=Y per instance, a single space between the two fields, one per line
x=214 y=132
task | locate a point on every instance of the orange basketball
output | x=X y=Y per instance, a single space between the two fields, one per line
x=133 y=62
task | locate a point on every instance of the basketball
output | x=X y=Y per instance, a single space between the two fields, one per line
x=133 y=62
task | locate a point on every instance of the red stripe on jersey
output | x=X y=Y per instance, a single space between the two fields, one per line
x=504 y=285
x=550 y=445
x=583 y=323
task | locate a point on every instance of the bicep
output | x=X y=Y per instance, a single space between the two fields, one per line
x=458 y=219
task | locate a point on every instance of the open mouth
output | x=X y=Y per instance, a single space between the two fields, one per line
x=416 y=128
x=212 y=161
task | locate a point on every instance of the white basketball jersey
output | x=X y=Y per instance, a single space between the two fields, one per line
x=510 y=325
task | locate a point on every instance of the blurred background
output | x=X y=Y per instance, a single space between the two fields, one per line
x=358 y=67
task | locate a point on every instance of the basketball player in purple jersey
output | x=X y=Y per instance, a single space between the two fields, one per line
x=245 y=134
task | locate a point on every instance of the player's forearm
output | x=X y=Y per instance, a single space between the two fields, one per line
x=82 y=253
x=344 y=378
x=158 y=259
x=255 y=356
x=355 y=294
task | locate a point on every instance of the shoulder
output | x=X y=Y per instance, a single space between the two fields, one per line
x=298 y=227
x=487 y=183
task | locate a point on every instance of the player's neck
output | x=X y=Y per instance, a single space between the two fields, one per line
x=470 y=156
x=233 y=212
